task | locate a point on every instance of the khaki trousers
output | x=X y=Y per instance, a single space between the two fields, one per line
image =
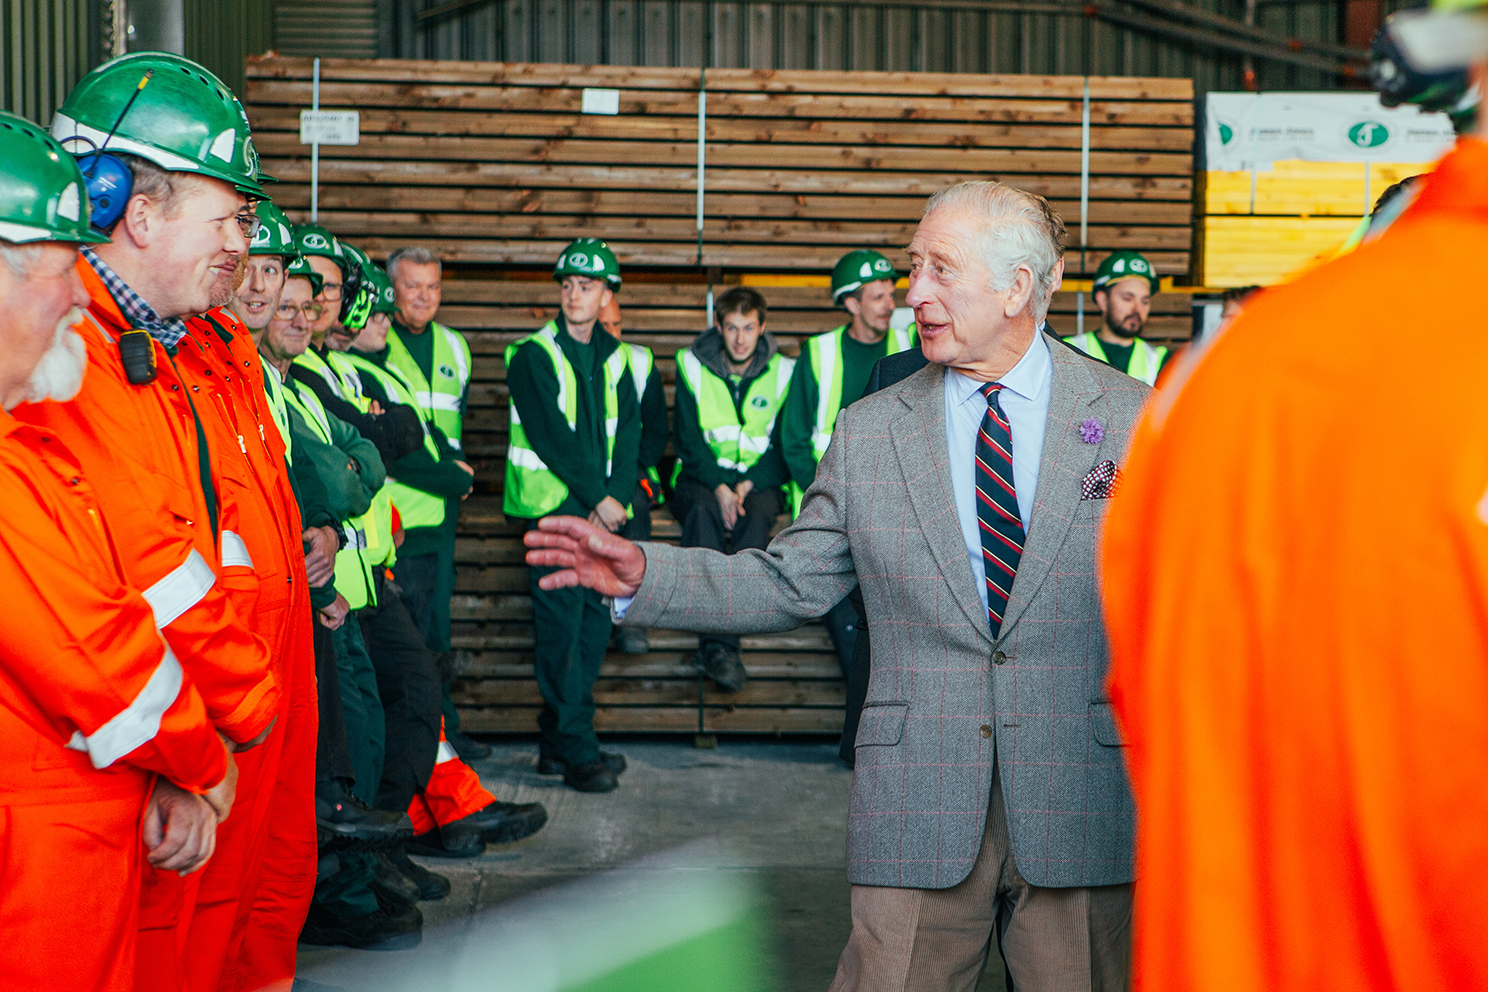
x=938 y=940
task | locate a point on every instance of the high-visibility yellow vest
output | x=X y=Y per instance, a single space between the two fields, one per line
x=736 y=445
x=826 y=365
x=274 y=387
x=440 y=398
x=641 y=361
x=416 y=507
x=369 y=537
x=532 y=489
x=1146 y=361
x=339 y=373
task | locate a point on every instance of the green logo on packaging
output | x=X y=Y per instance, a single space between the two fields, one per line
x=1368 y=134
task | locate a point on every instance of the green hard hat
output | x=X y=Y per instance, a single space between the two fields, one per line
x=1121 y=265
x=588 y=257
x=300 y=267
x=183 y=118
x=857 y=268
x=275 y=233
x=312 y=239
x=383 y=302
x=43 y=196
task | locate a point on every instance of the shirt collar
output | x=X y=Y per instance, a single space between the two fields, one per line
x=136 y=311
x=1029 y=378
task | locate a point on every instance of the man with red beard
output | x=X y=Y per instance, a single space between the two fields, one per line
x=93 y=702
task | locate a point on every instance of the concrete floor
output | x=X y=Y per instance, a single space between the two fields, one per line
x=765 y=819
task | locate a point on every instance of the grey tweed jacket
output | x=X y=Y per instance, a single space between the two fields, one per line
x=945 y=700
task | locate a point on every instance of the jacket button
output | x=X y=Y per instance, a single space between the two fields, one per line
x=985 y=731
x=998 y=658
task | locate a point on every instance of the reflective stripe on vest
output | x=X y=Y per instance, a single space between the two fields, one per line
x=736 y=446
x=366 y=544
x=339 y=374
x=274 y=387
x=531 y=489
x=641 y=361
x=826 y=365
x=1146 y=361
x=416 y=507
x=450 y=371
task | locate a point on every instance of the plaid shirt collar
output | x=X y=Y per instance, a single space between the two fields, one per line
x=139 y=313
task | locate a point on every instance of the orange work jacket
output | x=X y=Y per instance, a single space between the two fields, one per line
x=1295 y=574
x=262 y=556
x=137 y=445
x=92 y=700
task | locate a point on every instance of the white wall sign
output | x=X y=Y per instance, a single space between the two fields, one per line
x=597 y=101
x=1245 y=131
x=330 y=127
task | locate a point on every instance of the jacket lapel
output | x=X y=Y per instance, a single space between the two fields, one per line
x=919 y=435
x=1065 y=462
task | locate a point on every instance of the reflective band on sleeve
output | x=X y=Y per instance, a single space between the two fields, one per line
x=139 y=721
x=445 y=753
x=453 y=442
x=442 y=401
x=179 y=591
x=235 y=551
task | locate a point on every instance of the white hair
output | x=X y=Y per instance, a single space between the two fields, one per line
x=59 y=374
x=417 y=255
x=1017 y=229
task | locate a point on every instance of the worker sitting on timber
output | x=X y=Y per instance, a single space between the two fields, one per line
x=1123 y=288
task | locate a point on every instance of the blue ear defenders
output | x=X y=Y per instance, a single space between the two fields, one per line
x=109 y=185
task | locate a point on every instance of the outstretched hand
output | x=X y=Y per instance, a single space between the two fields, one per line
x=585 y=555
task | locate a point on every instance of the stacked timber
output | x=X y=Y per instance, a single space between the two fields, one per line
x=496 y=168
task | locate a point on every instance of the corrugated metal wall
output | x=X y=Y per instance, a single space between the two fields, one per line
x=935 y=36
x=220 y=34
x=46 y=47
x=327 y=28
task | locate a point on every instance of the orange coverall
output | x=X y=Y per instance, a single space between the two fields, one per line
x=1296 y=583
x=236 y=922
x=92 y=705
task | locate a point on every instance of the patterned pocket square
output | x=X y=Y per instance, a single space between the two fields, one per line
x=1101 y=482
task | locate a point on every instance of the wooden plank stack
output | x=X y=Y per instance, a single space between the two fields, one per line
x=495 y=167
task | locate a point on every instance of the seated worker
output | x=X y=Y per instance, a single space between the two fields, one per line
x=1123 y=288
x=655 y=432
x=732 y=383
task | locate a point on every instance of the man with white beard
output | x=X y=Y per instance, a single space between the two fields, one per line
x=93 y=703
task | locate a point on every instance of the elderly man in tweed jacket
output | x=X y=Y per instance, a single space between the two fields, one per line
x=989 y=796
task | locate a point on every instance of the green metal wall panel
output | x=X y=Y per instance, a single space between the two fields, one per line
x=46 y=47
x=221 y=34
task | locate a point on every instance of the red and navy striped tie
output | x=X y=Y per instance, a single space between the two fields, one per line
x=997 y=506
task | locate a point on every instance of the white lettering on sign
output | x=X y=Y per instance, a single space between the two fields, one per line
x=601 y=101
x=330 y=127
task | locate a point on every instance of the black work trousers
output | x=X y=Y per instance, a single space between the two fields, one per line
x=696 y=508
x=638 y=527
x=572 y=628
x=408 y=684
x=332 y=755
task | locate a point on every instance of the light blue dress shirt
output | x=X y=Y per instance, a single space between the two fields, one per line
x=1025 y=403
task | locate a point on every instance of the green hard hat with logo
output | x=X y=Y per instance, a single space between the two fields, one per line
x=385 y=300
x=858 y=268
x=1121 y=265
x=43 y=196
x=588 y=257
x=275 y=233
x=300 y=268
x=184 y=120
x=312 y=239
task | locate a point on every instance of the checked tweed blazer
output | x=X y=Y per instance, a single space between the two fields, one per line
x=944 y=700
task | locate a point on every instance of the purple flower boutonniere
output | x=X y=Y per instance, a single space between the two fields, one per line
x=1092 y=431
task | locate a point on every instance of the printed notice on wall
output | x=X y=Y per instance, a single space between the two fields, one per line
x=330 y=127
x=597 y=101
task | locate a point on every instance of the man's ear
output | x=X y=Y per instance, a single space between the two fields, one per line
x=851 y=304
x=139 y=222
x=1019 y=294
x=1056 y=278
x=606 y=297
x=1102 y=298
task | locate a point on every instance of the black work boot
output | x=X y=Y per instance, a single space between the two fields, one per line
x=722 y=665
x=504 y=823
x=344 y=820
x=593 y=777
x=431 y=885
x=391 y=886
x=469 y=749
x=551 y=764
x=381 y=931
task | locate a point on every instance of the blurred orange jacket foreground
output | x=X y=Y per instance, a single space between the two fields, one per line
x=1296 y=577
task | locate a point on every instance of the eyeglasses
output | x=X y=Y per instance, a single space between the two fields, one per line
x=287 y=311
x=331 y=291
x=249 y=225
